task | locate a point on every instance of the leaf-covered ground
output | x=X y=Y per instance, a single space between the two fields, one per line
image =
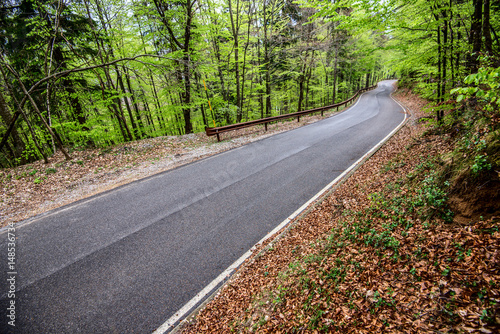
x=380 y=254
x=37 y=187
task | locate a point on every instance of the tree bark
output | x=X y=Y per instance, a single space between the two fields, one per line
x=475 y=35
x=119 y=79
x=488 y=43
x=335 y=70
x=444 y=64
x=235 y=28
x=438 y=83
x=267 y=61
x=135 y=104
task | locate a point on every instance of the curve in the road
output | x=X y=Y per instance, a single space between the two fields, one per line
x=126 y=260
x=197 y=303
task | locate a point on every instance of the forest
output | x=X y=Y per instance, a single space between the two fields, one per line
x=95 y=73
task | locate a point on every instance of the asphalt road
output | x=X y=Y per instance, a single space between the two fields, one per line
x=124 y=261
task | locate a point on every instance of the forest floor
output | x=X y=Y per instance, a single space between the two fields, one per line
x=382 y=253
x=36 y=188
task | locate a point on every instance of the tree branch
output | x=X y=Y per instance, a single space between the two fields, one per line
x=418 y=29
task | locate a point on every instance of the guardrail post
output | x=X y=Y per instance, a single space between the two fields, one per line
x=218 y=137
x=321 y=113
x=265 y=126
x=298 y=118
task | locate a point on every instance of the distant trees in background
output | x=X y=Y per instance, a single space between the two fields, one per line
x=94 y=73
x=440 y=42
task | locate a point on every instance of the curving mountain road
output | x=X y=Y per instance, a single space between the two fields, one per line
x=126 y=260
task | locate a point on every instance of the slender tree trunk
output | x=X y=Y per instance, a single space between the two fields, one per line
x=119 y=79
x=148 y=110
x=267 y=62
x=243 y=74
x=309 y=72
x=198 y=79
x=445 y=53
x=438 y=83
x=235 y=27
x=488 y=43
x=335 y=72
x=452 y=46
x=475 y=35
x=302 y=79
x=135 y=104
x=261 y=91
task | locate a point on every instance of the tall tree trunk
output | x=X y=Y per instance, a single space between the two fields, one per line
x=302 y=80
x=147 y=109
x=261 y=91
x=243 y=74
x=198 y=79
x=119 y=79
x=135 y=104
x=438 y=83
x=488 y=43
x=309 y=73
x=475 y=35
x=335 y=72
x=267 y=62
x=235 y=27
x=445 y=47
x=452 y=46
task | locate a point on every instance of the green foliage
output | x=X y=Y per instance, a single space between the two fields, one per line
x=484 y=85
x=430 y=194
x=480 y=164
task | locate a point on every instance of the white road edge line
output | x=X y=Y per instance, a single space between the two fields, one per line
x=169 y=324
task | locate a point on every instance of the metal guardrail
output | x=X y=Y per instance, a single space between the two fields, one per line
x=216 y=131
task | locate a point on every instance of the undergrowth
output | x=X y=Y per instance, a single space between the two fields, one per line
x=397 y=235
